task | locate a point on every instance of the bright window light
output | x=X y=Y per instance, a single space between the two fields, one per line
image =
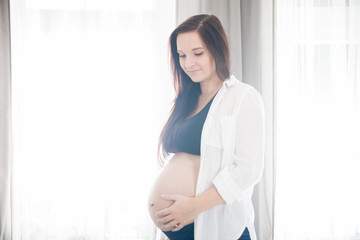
x=318 y=116
x=94 y=5
x=89 y=90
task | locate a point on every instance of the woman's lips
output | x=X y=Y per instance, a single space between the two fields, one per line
x=193 y=72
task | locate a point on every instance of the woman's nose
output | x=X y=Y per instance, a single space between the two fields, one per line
x=189 y=62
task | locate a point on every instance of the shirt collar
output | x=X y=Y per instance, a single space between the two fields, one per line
x=230 y=81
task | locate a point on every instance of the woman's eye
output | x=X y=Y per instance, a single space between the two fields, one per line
x=198 y=54
x=181 y=56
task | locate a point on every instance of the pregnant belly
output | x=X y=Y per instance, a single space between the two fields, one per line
x=179 y=176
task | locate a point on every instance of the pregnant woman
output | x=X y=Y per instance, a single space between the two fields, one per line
x=212 y=145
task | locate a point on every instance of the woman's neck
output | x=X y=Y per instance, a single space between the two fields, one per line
x=209 y=88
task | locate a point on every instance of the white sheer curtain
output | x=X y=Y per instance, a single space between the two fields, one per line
x=5 y=122
x=318 y=92
x=257 y=36
x=90 y=80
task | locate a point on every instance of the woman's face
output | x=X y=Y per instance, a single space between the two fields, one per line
x=195 y=59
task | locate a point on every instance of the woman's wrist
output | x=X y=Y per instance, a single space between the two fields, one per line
x=208 y=199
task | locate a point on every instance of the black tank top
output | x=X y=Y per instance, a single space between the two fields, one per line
x=188 y=137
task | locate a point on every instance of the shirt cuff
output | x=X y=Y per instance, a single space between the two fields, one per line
x=226 y=186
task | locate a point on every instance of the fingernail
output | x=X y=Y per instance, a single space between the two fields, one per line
x=163 y=195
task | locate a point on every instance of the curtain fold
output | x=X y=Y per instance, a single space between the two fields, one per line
x=257 y=32
x=249 y=25
x=5 y=122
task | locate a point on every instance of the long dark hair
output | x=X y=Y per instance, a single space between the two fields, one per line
x=187 y=92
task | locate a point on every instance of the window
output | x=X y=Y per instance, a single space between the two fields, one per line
x=87 y=114
x=318 y=97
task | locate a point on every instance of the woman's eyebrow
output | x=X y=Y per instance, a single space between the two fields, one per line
x=179 y=50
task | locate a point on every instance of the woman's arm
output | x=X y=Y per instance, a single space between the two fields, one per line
x=236 y=181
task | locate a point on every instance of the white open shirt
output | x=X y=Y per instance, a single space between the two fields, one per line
x=232 y=160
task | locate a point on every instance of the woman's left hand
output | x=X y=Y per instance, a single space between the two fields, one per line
x=178 y=215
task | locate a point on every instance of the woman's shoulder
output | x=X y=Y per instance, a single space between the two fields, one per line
x=237 y=89
x=240 y=95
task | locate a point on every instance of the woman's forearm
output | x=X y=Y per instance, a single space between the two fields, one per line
x=208 y=199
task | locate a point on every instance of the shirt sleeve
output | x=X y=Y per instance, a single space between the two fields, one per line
x=236 y=181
